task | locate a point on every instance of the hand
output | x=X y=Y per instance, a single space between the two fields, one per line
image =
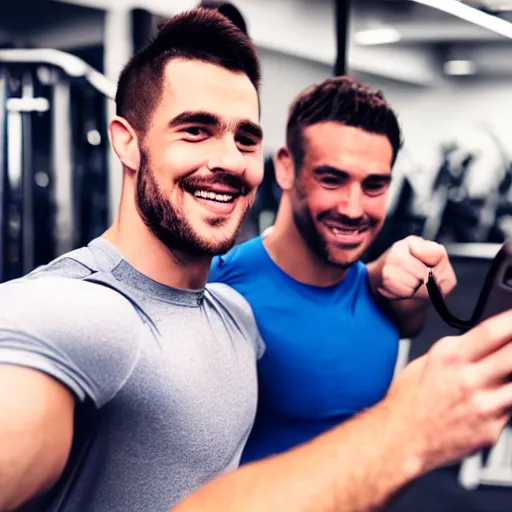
x=405 y=269
x=457 y=398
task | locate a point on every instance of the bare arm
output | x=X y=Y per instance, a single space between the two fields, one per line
x=451 y=402
x=36 y=429
x=357 y=467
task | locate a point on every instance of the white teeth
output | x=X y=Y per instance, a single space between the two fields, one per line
x=347 y=231
x=337 y=231
x=205 y=194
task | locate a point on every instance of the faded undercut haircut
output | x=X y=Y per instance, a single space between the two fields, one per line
x=199 y=34
x=343 y=100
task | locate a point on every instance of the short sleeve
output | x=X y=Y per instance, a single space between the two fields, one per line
x=85 y=335
x=237 y=306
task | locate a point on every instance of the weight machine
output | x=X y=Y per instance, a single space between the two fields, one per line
x=53 y=156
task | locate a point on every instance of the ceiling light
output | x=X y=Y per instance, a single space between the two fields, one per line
x=459 y=67
x=377 y=36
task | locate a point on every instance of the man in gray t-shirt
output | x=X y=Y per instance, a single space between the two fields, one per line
x=171 y=373
x=126 y=382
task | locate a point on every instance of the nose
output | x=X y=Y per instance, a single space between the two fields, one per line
x=351 y=204
x=227 y=157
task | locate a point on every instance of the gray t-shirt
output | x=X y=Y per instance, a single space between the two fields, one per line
x=171 y=373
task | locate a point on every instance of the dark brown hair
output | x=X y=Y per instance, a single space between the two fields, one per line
x=344 y=100
x=199 y=34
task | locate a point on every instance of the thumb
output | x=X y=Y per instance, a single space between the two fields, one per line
x=428 y=252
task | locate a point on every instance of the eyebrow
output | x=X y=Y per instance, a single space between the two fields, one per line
x=251 y=129
x=209 y=119
x=339 y=173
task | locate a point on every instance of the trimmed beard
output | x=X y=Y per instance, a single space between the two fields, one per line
x=168 y=224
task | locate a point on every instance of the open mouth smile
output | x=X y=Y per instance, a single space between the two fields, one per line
x=217 y=199
x=347 y=230
x=213 y=192
x=347 y=235
x=215 y=196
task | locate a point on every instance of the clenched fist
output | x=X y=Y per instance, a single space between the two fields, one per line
x=405 y=269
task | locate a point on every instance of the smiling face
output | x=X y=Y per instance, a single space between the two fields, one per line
x=340 y=195
x=201 y=158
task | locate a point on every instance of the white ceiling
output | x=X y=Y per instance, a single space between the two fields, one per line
x=441 y=36
x=305 y=29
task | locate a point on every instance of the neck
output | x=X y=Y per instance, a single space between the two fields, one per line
x=145 y=252
x=287 y=248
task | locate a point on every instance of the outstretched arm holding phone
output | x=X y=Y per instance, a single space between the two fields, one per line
x=454 y=400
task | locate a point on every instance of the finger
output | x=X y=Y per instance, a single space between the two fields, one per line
x=413 y=266
x=428 y=252
x=488 y=336
x=500 y=398
x=496 y=366
x=402 y=283
x=405 y=262
x=387 y=295
x=420 y=293
x=446 y=279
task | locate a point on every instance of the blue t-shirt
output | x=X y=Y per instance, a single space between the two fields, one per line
x=330 y=352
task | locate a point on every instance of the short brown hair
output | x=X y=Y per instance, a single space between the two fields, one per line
x=199 y=34
x=344 y=100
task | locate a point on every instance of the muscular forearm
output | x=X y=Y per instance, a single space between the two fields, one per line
x=409 y=314
x=357 y=467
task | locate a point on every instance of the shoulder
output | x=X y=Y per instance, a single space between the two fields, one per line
x=59 y=297
x=84 y=334
x=76 y=264
x=66 y=311
x=360 y=280
x=236 y=263
x=230 y=299
x=232 y=304
x=360 y=270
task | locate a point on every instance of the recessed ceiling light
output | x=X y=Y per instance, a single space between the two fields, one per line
x=459 y=67
x=377 y=36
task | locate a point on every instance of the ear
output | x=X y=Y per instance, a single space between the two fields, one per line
x=125 y=143
x=285 y=169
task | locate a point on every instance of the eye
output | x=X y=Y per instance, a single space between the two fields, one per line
x=196 y=132
x=331 y=182
x=247 y=143
x=375 y=188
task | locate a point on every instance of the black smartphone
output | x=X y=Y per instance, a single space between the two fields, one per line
x=496 y=294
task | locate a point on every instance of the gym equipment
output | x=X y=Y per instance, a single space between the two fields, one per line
x=496 y=209
x=452 y=215
x=496 y=204
x=53 y=143
x=342 y=13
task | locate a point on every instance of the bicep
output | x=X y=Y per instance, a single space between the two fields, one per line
x=36 y=431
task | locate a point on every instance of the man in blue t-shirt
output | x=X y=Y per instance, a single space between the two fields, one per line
x=331 y=325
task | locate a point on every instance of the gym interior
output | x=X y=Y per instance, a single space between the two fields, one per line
x=444 y=65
